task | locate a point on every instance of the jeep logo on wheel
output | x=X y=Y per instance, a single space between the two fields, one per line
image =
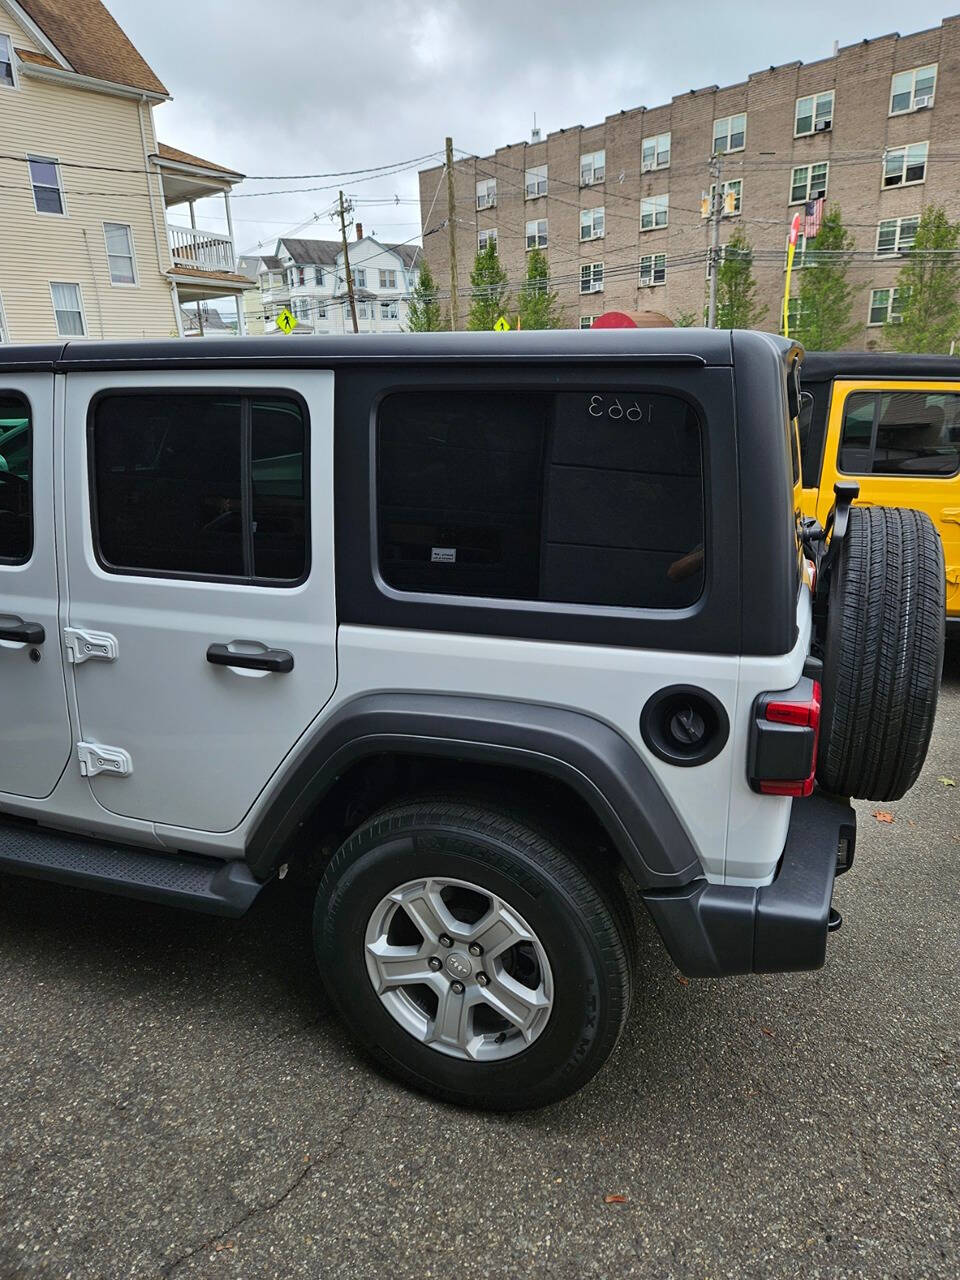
x=459 y=966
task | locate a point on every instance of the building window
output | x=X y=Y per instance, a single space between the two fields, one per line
x=535 y=183
x=593 y=168
x=896 y=235
x=591 y=224
x=814 y=114
x=591 y=277
x=359 y=277
x=7 y=74
x=808 y=182
x=730 y=133
x=318 y=276
x=732 y=192
x=68 y=307
x=485 y=238
x=16 y=496
x=586 y=322
x=120 y=255
x=390 y=310
x=912 y=90
x=905 y=165
x=886 y=305
x=890 y=432
x=653 y=269
x=321 y=311
x=653 y=212
x=537 y=234
x=487 y=193
x=794 y=312
x=655 y=153
x=388 y=279
x=47 y=185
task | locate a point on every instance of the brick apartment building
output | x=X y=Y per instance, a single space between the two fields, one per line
x=617 y=208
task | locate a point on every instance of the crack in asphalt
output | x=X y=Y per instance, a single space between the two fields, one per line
x=259 y=1210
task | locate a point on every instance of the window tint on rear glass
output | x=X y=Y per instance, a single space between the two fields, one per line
x=900 y=433
x=200 y=485
x=577 y=497
x=16 y=500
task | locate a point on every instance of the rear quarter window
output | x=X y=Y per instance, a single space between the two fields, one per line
x=16 y=499
x=903 y=433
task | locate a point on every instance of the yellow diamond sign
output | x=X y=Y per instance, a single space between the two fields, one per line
x=502 y=325
x=287 y=321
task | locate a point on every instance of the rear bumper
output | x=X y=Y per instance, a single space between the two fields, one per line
x=712 y=929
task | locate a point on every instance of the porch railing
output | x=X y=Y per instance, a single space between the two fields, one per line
x=201 y=250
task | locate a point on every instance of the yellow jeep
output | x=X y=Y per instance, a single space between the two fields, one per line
x=892 y=423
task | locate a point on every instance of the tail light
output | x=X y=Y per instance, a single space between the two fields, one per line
x=784 y=738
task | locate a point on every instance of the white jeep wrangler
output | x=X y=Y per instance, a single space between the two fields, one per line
x=502 y=635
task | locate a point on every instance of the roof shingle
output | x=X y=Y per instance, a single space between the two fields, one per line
x=92 y=42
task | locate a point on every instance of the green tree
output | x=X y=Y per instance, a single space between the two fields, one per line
x=538 y=305
x=686 y=319
x=426 y=315
x=738 y=306
x=824 y=315
x=929 y=288
x=488 y=282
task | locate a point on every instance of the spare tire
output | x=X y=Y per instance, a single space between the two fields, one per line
x=883 y=653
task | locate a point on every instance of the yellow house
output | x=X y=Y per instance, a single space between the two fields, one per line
x=85 y=246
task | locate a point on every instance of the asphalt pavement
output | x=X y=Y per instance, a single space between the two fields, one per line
x=177 y=1100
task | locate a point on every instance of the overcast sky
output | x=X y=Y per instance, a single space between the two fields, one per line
x=308 y=86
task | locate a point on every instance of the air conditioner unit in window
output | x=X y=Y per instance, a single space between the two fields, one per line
x=822 y=126
x=925 y=100
x=646 y=168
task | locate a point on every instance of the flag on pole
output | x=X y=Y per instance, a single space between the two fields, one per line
x=791 y=250
x=812 y=217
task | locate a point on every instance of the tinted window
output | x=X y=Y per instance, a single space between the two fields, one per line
x=16 y=503
x=571 y=497
x=203 y=485
x=901 y=433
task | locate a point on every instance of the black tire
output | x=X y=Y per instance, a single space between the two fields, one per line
x=581 y=918
x=883 y=654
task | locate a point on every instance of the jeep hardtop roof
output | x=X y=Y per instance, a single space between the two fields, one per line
x=823 y=366
x=662 y=346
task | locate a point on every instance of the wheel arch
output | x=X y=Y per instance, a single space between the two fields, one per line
x=591 y=760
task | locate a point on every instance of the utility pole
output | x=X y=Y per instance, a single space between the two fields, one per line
x=346 y=263
x=452 y=239
x=713 y=259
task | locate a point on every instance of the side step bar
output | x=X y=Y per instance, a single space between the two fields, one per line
x=200 y=884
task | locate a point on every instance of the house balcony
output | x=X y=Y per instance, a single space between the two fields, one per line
x=197 y=250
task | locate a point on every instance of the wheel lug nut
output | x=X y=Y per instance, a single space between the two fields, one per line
x=435 y=963
x=482 y=979
x=456 y=988
x=445 y=940
x=475 y=949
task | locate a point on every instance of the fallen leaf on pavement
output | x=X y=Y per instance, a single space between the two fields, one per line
x=881 y=815
x=614 y=1199
x=767 y=1032
x=684 y=982
x=947 y=782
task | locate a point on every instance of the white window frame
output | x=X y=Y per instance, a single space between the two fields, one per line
x=594 y=164
x=385 y=282
x=359 y=277
x=654 y=212
x=533 y=179
x=648 y=275
x=122 y=284
x=653 y=144
x=5 y=36
x=593 y=221
x=898 y=246
x=83 y=314
x=905 y=152
x=4 y=331
x=589 y=322
x=485 y=235
x=537 y=242
x=594 y=278
x=55 y=161
x=728 y=121
x=794 y=313
x=730 y=182
x=814 y=99
x=390 y=310
x=318 y=277
x=487 y=193
x=808 y=194
x=913 y=73
x=891 y=316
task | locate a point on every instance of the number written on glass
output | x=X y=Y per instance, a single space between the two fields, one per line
x=600 y=408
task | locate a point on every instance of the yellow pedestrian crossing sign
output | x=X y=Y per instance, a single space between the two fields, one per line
x=502 y=325
x=287 y=321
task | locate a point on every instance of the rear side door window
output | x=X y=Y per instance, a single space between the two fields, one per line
x=592 y=498
x=901 y=433
x=16 y=497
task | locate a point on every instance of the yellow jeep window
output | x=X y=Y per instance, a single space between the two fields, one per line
x=901 y=433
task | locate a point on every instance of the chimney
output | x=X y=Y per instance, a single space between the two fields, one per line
x=359 y=230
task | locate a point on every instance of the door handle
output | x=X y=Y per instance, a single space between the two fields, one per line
x=280 y=660
x=24 y=632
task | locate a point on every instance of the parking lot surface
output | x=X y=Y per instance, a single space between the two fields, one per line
x=176 y=1100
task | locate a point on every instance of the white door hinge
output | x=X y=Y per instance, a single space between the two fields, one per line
x=95 y=758
x=84 y=646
